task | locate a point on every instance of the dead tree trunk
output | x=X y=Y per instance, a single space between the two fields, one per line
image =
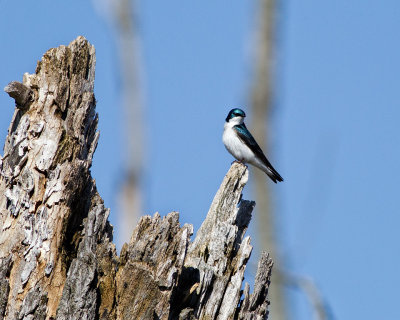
x=57 y=259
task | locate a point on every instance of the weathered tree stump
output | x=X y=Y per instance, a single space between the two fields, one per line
x=57 y=259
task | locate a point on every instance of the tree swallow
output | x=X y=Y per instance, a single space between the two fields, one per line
x=241 y=144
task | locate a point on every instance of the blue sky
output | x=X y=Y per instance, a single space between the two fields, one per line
x=334 y=132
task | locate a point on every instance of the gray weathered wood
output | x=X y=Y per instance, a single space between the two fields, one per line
x=20 y=92
x=45 y=177
x=255 y=305
x=219 y=251
x=57 y=259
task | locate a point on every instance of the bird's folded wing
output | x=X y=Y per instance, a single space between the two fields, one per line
x=248 y=139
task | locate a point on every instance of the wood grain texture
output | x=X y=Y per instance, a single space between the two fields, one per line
x=57 y=259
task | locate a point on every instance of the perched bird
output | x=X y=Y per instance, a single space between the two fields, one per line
x=241 y=144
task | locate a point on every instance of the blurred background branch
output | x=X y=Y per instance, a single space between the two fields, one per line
x=307 y=286
x=261 y=104
x=123 y=18
x=130 y=194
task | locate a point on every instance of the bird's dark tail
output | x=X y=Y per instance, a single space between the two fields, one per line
x=274 y=175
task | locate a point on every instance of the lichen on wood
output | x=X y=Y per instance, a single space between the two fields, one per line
x=57 y=258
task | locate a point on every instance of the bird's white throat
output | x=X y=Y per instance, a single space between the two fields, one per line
x=235 y=121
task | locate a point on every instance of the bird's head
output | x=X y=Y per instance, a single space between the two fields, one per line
x=236 y=116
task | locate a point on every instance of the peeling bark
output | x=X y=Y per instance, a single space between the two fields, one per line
x=57 y=259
